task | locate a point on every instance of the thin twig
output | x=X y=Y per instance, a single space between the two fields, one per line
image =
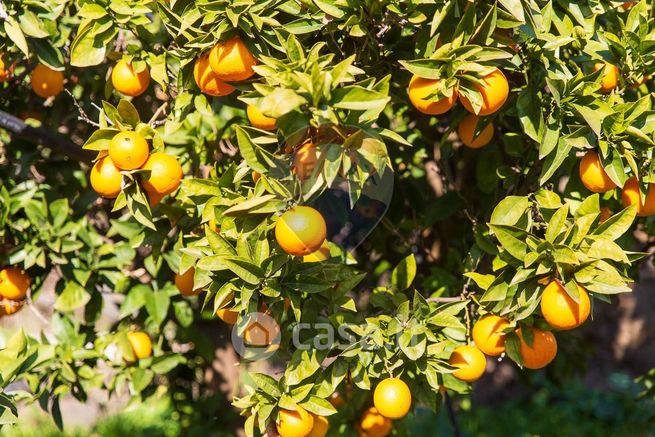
x=82 y=116
x=158 y=112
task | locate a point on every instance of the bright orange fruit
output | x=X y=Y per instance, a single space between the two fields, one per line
x=129 y=82
x=46 y=82
x=420 y=89
x=106 y=178
x=300 y=230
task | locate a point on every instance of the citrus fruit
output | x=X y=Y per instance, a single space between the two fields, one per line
x=154 y=198
x=46 y=82
x=228 y=316
x=165 y=173
x=6 y=71
x=373 y=424
x=207 y=80
x=466 y=131
x=14 y=283
x=106 y=178
x=605 y=213
x=231 y=60
x=392 y=398
x=610 y=79
x=305 y=160
x=488 y=334
x=141 y=344
x=420 y=89
x=592 y=174
x=320 y=427
x=256 y=176
x=127 y=81
x=560 y=310
x=494 y=90
x=631 y=196
x=128 y=150
x=542 y=351
x=258 y=119
x=300 y=231
x=470 y=363
x=322 y=254
x=184 y=283
x=298 y=423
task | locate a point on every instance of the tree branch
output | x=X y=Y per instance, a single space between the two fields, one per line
x=44 y=137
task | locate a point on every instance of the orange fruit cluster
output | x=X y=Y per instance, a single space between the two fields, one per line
x=494 y=90
x=227 y=61
x=560 y=311
x=129 y=150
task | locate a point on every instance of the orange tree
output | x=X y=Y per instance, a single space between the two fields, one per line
x=314 y=162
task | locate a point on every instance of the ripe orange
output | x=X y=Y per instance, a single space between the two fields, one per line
x=392 y=398
x=297 y=423
x=305 y=160
x=207 y=80
x=232 y=61
x=592 y=174
x=228 y=316
x=129 y=82
x=47 y=82
x=320 y=428
x=605 y=213
x=154 y=198
x=628 y=5
x=420 y=88
x=165 y=173
x=300 y=230
x=128 y=150
x=470 y=363
x=322 y=254
x=6 y=72
x=373 y=424
x=632 y=196
x=488 y=334
x=258 y=119
x=560 y=310
x=610 y=79
x=184 y=283
x=543 y=350
x=106 y=178
x=14 y=283
x=466 y=131
x=256 y=176
x=141 y=344
x=494 y=90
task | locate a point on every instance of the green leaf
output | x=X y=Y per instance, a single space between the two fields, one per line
x=510 y=210
x=403 y=275
x=72 y=297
